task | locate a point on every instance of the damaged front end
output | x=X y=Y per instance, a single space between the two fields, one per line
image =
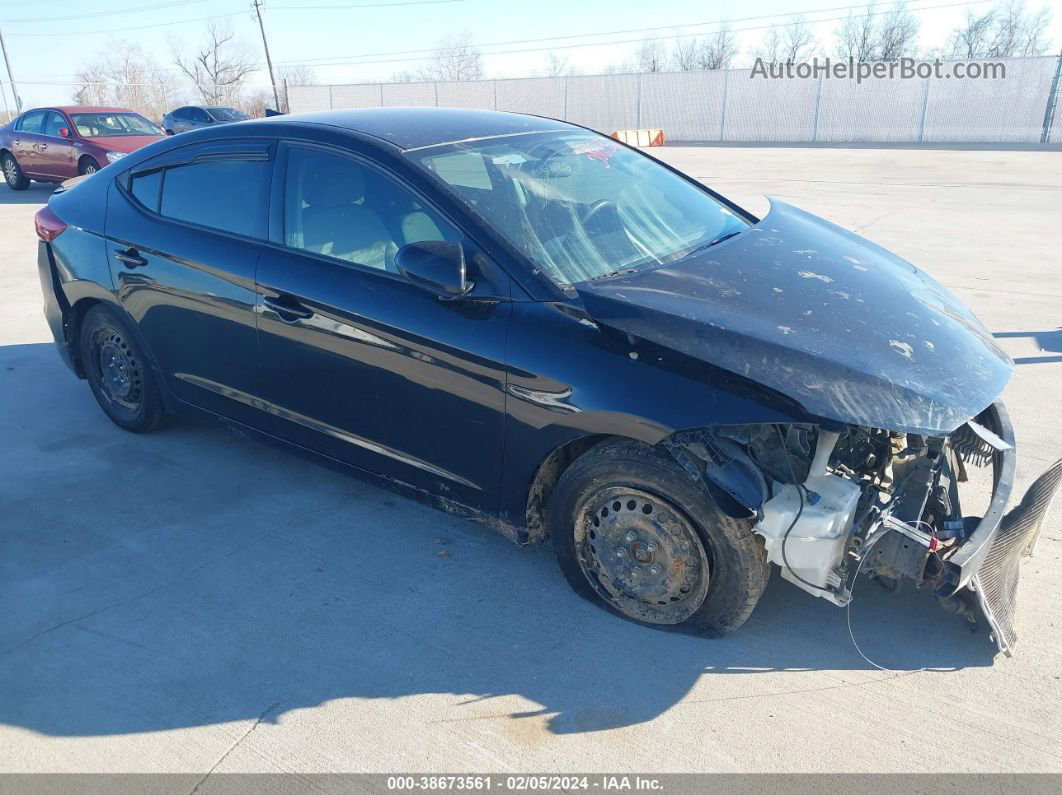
x=834 y=502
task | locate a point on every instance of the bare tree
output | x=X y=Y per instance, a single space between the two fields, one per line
x=876 y=36
x=789 y=43
x=719 y=49
x=897 y=34
x=558 y=66
x=857 y=37
x=218 y=67
x=651 y=56
x=455 y=58
x=685 y=55
x=1007 y=30
x=715 y=52
x=125 y=76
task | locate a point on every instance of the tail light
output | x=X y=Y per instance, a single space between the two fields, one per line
x=49 y=225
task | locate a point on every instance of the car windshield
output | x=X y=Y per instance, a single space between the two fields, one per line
x=226 y=114
x=107 y=125
x=579 y=205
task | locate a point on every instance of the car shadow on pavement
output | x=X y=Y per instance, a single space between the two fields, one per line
x=1048 y=341
x=194 y=577
x=36 y=193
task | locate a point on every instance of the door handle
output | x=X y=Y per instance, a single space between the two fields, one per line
x=44 y=146
x=288 y=308
x=130 y=257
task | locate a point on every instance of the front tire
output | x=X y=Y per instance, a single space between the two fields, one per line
x=118 y=372
x=13 y=175
x=87 y=165
x=635 y=534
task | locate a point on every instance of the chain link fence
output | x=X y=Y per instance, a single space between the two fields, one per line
x=733 y=105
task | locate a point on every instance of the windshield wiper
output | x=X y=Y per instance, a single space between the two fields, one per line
x=711 y=243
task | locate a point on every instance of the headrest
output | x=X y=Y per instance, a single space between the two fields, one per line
x=338 y=183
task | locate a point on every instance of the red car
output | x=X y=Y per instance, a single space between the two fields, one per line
x=53 y=144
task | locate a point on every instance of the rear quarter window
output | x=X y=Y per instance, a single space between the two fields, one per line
x=228 y=195
x=145 y=189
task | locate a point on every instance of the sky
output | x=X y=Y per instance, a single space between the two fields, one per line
x=371 y=40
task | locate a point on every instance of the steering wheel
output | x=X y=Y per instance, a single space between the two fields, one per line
x=594 y=209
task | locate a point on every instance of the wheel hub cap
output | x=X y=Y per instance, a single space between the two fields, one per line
x=642 y=556
x=119 y=375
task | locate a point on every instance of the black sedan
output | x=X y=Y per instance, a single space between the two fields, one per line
x=529 y=323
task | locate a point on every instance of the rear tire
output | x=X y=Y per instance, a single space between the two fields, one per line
x=118 y=372
x=87 y=165
x=635 y=534
x=13 y=175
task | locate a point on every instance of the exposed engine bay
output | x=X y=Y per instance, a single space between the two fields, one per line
x=834 y=502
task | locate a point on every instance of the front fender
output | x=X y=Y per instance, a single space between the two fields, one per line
x=569 y=378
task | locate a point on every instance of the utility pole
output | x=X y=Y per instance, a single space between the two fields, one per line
x=265 y=44
x=10 y=77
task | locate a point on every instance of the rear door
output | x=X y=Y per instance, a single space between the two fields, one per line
x=27 y=142
x=184 y=233
x=361 y=364
x=182 y=120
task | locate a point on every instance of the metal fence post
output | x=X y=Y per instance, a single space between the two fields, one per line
x=818 y=102
x=436 y=87
x=330 y=105
x=925 y=108
x=722 y=114
x=1052 y=102
x=638 y=102
x=381 y=94
x=565 y=116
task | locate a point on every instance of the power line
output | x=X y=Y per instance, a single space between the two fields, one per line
x=125 y=30
x=618 y=32
x=366 y=5
x=94 y=14
x=348 y=61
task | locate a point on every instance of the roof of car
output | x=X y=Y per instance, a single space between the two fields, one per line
x=412 y=128
x=87 y=109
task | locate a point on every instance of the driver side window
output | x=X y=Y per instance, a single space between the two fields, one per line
x=337 y=207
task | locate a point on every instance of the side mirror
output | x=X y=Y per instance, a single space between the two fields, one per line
x=437 y=266
x=64 y=132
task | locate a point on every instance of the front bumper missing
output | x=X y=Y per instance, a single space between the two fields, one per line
x=996 y=581
x=988 y=562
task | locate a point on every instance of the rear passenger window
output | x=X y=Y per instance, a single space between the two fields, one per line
x=145 y=189
x=228 y=195
x=32 y=122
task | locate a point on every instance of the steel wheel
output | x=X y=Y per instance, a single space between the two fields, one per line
x=118 y=373
x=641 y=555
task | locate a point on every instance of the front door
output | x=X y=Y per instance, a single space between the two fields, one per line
x=184 y=233
x=359 y=363
x=57 y=156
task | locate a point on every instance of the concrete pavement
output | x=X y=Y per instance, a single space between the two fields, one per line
x=192 y=601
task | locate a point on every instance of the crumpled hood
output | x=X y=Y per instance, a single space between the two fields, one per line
x=851 y=332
